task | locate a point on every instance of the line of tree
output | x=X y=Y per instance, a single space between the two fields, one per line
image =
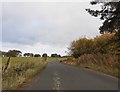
x=18 y=53
x=100 y=44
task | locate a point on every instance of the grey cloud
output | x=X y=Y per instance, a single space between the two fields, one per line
x=53 y=23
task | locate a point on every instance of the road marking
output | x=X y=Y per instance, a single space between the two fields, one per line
x=56 y=80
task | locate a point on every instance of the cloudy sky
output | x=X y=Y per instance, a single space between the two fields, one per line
x=49 y=27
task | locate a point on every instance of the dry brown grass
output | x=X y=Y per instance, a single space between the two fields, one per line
x=100 y=59
x=105 y=63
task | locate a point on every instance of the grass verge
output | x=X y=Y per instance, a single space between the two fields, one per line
x=20 y=70
x=107 y=64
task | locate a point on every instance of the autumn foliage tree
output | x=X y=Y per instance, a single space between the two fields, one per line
x=100 y=44
x=80 y=47
x=104 y=43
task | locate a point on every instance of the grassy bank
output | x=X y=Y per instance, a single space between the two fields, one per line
x=20 y=70
x=106 y=63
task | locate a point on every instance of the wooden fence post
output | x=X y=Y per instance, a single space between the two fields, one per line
x=8 y=62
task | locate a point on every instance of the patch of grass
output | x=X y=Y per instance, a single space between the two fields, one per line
x=49 y=59
x=20 y=70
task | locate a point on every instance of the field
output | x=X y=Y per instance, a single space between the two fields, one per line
x=21 y=70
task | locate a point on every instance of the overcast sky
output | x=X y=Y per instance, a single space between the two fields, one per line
x=49 y=27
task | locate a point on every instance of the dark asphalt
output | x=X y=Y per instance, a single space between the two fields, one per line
x=58 y=76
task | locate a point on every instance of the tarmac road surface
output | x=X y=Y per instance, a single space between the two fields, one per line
x=59 y=76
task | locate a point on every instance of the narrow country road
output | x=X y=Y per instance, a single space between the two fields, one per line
x=58 y=76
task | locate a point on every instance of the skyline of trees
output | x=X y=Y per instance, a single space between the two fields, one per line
x=18 y=53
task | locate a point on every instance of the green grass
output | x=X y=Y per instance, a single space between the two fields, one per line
x=29 y=66
x=49 y=59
